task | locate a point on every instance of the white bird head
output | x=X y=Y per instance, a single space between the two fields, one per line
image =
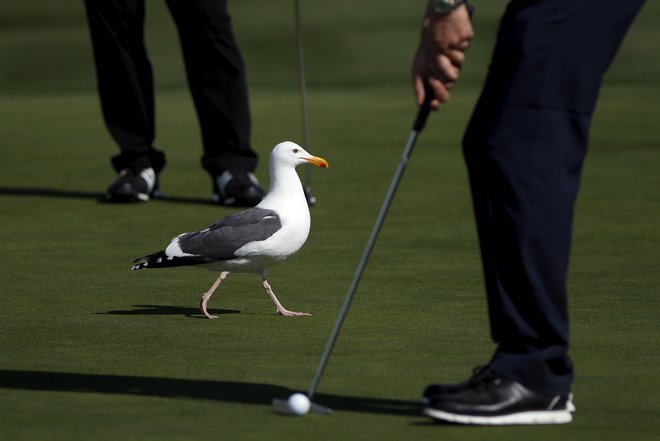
x=291 y=154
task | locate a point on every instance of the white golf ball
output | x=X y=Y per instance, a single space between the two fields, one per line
x=298 y=404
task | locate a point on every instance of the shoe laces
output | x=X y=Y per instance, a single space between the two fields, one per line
x=483 y=375
x=477 y=373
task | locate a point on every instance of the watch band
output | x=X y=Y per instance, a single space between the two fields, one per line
x=446 y=6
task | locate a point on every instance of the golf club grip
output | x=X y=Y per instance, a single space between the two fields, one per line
x=424 y=110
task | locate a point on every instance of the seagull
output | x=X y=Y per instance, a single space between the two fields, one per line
x=252 y=240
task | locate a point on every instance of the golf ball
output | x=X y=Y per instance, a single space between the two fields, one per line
x=298 y=404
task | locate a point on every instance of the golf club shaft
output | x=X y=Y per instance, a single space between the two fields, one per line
x=420 y=120
x=303 y=88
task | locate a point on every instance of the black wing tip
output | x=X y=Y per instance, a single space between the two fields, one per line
x=139 y=266
x=143 y=262
x=162 y=260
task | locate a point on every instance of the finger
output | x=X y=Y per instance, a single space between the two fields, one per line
x=440 y=91
x=445 y=70
x=463 y=45
x=418 y=89
x=456 y=56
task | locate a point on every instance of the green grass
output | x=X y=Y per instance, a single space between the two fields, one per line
x=90 y=350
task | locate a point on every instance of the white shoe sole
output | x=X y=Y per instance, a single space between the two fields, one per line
x=569 y=405
x=521 y=418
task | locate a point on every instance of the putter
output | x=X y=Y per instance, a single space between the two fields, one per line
x=307 y=187
x=280 y=405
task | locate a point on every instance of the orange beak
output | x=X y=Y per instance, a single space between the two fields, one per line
x=319 y=162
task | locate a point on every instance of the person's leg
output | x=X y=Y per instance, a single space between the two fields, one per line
x=216 y=76
x=524 y=149
x=124 y=81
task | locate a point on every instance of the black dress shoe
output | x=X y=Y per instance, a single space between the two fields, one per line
x=494 y=400
x=237 y=190
x=134 y=186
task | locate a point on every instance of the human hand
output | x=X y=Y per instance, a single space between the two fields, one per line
x=440 y=54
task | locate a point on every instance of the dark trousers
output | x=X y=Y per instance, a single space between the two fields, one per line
x=524 y=148
x=215 y=72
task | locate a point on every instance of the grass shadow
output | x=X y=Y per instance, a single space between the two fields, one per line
x=169 y=310
x=50 y=193
x=224 y=391
x=93 y=195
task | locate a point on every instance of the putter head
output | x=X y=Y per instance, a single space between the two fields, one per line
x=281 y=406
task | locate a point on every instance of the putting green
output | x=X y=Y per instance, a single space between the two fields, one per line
x=91 y=350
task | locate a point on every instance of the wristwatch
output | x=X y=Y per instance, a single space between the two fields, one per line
x=446 y=6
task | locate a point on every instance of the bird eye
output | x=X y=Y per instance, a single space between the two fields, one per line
x=295 y=150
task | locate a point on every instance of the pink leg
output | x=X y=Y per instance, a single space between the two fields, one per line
x=280 y=309
x=207 y=295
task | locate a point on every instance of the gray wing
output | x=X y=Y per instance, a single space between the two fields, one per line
x=221 y=240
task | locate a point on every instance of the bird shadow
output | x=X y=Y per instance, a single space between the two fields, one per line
x=222 y=391
x=169 y=310
x=93 y=195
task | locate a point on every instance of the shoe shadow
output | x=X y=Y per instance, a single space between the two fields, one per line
x=99 y=197
x=169 y=310
x=50 y=193
x=223 y=391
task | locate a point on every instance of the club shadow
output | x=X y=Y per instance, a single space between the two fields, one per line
x=169 y=310
x=93 y=195
x=222 y=391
